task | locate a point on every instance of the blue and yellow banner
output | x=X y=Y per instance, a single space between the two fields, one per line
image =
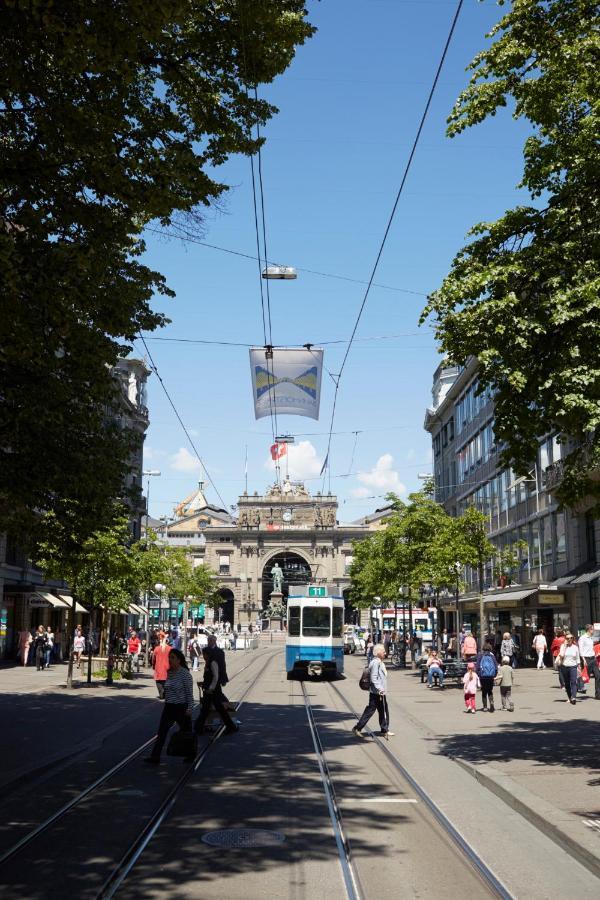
x=286 y=380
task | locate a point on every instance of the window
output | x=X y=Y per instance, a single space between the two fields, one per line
x=338 y=621
x=348 y=560
x=224 y=565
x=294 y=621
x=451 y=429
x=561 y=538
x=437 y=447
x=316 y=621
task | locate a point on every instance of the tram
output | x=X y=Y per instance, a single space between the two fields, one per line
x=314 y=645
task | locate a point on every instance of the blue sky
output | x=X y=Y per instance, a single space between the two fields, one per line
x=349 y=107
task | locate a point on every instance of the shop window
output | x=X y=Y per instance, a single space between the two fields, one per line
x=561 y=538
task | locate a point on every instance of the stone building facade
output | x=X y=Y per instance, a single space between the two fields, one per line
x=286 y=525
x=555 y=582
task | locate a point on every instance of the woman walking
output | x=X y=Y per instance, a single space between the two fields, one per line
x=568 y=656
x=377 y=695
x=160 y=663
x=39 y=647
x=507 y=647
x=179 y=700
x=212 y=694
x=49 y=647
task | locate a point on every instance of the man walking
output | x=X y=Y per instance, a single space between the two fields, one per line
x=218 y=654
x=134 y=645
x=377 y=695
x=586 y=651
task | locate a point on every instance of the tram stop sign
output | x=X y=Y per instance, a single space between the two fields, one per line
x=317 y=591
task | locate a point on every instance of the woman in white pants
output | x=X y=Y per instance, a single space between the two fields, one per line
x=540 y=646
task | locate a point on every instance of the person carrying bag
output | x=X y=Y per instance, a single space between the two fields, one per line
x=377 y=695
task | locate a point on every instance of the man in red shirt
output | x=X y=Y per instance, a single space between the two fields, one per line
x=134 y=645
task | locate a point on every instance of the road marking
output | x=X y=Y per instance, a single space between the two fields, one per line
x=384 y=800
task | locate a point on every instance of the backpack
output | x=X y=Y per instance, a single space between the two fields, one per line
x=364 y=682
x=487 y=666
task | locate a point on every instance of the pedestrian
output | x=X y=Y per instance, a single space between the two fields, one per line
x=160 y=663
x=49 y=646
x=469 y=647
x=39 y=647
x=134 y=646
x=212 y=695
x=434 y=668
x=487 y=669
x=516 y=639
x=369 y=646
x=507 y=647
x=471 y=685
x=377 y=695
x=569 y=658
x=445 y=638
x=195 y=653
x=179 y=701
x=586 y=651
x=219 y=655
x=540 y=646
x=557 y=642
x=505 y=680
x=78 y=646
x=24 y=645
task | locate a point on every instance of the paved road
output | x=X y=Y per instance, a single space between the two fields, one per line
x=267 y=777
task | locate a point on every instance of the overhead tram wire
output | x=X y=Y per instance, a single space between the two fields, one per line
x=154 y=368
x=189 y=239
x=391 y=219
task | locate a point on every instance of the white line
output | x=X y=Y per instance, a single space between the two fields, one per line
x=384 y=800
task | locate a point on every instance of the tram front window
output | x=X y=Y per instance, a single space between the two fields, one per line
x=316 y=622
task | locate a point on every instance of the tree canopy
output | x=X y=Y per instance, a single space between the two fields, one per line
x=522 y=296
x=111 y=115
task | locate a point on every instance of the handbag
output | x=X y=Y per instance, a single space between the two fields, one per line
x=182 y=743
x=585 y=675
x=364 y=681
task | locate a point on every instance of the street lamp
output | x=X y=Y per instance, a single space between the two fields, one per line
x=279 y=273
x=149 y=473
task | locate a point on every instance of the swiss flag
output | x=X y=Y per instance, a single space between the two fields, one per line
x=278 y=450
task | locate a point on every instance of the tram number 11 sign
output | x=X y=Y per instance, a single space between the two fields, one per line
x=317 y=592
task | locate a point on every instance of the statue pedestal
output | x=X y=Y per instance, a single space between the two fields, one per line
x=276 y=597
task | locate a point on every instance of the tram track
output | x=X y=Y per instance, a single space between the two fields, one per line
x=470 y=856
x=135 y=850
x=349 y=873
x=94 y=787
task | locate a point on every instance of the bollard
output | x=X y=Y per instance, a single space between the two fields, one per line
x=110 y=665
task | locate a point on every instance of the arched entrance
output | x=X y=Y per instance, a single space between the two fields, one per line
x=295 y=571
x=227 y=608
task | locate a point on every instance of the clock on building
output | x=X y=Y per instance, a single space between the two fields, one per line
x=287 y=515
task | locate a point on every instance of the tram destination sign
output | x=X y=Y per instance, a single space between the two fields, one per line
x=317 y=591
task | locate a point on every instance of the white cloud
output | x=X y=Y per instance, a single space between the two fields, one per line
x=381 y=479
x=303 y=461
x=150 y=453
x=183 y=461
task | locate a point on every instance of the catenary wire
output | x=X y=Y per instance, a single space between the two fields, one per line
x=391 y=219
x=379 y=337
x=189 y=239
x=180 y=420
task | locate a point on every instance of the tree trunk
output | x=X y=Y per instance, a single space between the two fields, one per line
x=69 y=641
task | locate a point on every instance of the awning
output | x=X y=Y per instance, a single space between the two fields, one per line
x=505 y=595
x=136 y=610
x=69 y=601
x=586 y=577
x=56 y=602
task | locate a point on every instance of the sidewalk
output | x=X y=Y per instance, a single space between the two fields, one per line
x=543 y=759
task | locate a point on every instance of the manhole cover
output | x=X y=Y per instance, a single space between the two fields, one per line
x=243 y=837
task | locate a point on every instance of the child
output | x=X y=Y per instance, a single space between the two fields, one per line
x=471 y=686
x=505 y=680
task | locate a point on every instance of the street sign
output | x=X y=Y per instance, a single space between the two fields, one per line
x=314 y=591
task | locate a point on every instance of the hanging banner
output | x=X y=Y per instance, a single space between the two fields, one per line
x=286 y=381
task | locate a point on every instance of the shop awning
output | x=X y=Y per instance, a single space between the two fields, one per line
x=136 y=610
x=56 y=602
x=586 y=577
x=511 y=595
x=69 y=601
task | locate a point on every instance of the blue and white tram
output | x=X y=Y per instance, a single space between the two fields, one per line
x=314 y=644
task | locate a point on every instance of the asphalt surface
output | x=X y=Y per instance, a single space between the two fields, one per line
x=266 y=777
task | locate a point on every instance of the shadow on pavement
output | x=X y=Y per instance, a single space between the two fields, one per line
x=573 y=743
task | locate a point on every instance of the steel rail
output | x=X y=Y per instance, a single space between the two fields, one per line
x=492 y=881
x=85 y=793
x=137 y=847
x=351 y=881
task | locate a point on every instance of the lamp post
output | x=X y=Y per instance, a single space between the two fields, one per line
x=455 y=570
x=149 y=473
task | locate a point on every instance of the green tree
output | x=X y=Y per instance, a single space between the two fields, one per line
x=522 y=297
x=112 y=115
x=475 y=550
x=101 y=570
